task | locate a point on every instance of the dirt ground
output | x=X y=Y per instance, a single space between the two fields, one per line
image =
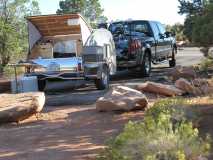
x=70 y=128
x=62 y=133
x=72 y=132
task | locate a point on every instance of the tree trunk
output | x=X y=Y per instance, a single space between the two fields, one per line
x=18 y=107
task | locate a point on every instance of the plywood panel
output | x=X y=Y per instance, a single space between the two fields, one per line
x=53 y=25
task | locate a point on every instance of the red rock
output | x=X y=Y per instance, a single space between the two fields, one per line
x=185 y=86
x=158 y=88
x=182 y=72
x=18 y=107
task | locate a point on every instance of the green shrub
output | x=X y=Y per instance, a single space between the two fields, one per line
x=9 y=71
x=158 y=137
x=206 y=64
x=178 y=108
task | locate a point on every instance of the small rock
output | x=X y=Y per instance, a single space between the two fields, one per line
x=206 y=90
x=200 y=82
x=185 y=86
x=188 y=87
x=182 y=72
x=204 y=86
x=158 y=88
x=121 y=98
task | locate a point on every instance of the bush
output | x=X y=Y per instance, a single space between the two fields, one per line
x=158 y=137
x=178 y=108
x=9 y=71
x=206 y=64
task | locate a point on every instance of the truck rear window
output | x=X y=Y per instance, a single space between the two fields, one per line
x=132 y=28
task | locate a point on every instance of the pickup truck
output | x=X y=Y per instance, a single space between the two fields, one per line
x=134 y=45
x=138 y=43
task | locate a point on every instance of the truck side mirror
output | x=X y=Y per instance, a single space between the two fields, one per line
x=168 y=34
x=162 y=36
x=173 y=34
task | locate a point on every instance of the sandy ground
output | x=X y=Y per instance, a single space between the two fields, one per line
x=70 y=128
x=62 y=133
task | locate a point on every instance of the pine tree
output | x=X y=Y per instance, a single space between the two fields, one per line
x=90 y=9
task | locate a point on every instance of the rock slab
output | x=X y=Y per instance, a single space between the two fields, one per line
x=161 y=89
x=182 y=72
x=18 y=107
x=121 y=98
x=185 y=85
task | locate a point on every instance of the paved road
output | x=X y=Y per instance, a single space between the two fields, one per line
x=89 y=94
x=189 y=56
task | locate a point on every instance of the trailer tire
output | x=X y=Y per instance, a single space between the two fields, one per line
x=103 y=82
x=41 y=85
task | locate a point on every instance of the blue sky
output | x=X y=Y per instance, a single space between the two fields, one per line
x=162 y=10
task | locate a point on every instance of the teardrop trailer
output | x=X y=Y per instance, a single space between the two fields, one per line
x=65 y=47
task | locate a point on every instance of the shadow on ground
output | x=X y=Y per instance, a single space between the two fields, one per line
x=78 y=133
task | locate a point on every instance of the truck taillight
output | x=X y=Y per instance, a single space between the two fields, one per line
x=134 y=46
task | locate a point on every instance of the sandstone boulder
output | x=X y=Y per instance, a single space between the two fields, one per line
x=158 y=88
x=18 y=107
x=121 y=98
x=182 y=72
x=185 y=86
x=196 y=87
x=205 y=86
x=206 y=90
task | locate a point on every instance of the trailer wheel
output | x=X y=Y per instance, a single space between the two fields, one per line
x=103 y=82
x=146 y=65
x=41 y=85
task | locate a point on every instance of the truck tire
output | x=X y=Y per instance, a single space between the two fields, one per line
x=146 y=65
x=103 y=82
x=172 y=62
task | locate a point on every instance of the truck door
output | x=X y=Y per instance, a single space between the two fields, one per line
x=166 y=41
x=159 y=41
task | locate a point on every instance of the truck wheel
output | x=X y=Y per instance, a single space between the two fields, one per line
x=103 y=82
x=146 y=65
x=172 y=62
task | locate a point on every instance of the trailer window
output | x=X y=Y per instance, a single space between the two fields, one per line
x=65 y=49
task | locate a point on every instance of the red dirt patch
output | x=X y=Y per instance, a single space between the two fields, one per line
x=69 y=132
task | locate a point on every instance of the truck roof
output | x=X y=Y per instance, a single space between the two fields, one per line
x=129 y=21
